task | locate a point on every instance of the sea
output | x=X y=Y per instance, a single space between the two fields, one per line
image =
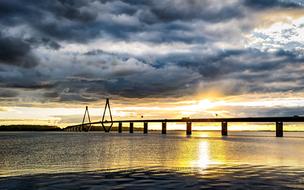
x=204 y=160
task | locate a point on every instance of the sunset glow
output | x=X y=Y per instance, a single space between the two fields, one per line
x=151 y=94
x=199 y=59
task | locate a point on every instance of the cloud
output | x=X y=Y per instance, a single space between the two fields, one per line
x=279 y=36
x=243 y=71
x=83 y=51
x=15 y=51
x=7 y=93
x=258 y=4
x=46 y=42
x=129 y=77
x=124 y=20
x=168 y=11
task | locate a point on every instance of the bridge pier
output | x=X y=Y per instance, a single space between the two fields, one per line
x=189 y=128
x=279 y=129
x=131 y=127
x=224 y=128
x=164 y=127
x=145 y=127
x=120 y=127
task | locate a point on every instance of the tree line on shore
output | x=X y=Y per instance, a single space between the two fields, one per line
x=29 y=128
x=52 y=128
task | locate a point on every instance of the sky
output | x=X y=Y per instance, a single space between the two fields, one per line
x=156 y=59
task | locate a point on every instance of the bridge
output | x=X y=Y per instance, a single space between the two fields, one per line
x=107 y=125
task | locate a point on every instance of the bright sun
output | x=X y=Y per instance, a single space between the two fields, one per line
x=204 y=104
x=196 y=107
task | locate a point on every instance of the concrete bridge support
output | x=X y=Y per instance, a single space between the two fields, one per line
x=224 y=128
x=164 y=127
x=145 y=127
x=120 y=127
x=279 y=129
x=131 y=129
x=189 y=128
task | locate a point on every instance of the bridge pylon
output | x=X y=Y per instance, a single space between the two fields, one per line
x=107 y=125
x=86 y=127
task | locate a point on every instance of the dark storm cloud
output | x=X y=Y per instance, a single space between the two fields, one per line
x=62 y=20
x=223 y=63
x=51 y=95
x=248 y=70
x=49 y=19
x=94 y=52
x=133 y=83
x=31 y=10
x=82 y=21
x=234 y=72
x=74 y=75
x=46 y=42
x=197 y=10
x=24 y=78
x=168 y=11
x=15 y=51
x=157 y=82
x=71 y=10
x=30 y=86
x=7 y=93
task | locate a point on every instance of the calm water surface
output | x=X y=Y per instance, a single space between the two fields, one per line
x=45 y=155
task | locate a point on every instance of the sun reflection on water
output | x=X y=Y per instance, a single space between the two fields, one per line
x=204 y=156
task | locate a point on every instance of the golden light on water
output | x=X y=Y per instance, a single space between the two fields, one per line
x=204 y=157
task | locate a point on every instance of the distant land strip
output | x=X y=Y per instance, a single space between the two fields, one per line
x=29 y=128
x=52 y=128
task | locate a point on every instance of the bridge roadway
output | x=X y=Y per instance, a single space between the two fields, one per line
x=278 y=120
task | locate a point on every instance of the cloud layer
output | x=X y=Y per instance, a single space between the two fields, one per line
x=82 y=51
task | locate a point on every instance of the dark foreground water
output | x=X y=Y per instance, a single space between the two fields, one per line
x=65 y=160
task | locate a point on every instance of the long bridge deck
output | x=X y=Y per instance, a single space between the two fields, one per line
x=224 y=121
